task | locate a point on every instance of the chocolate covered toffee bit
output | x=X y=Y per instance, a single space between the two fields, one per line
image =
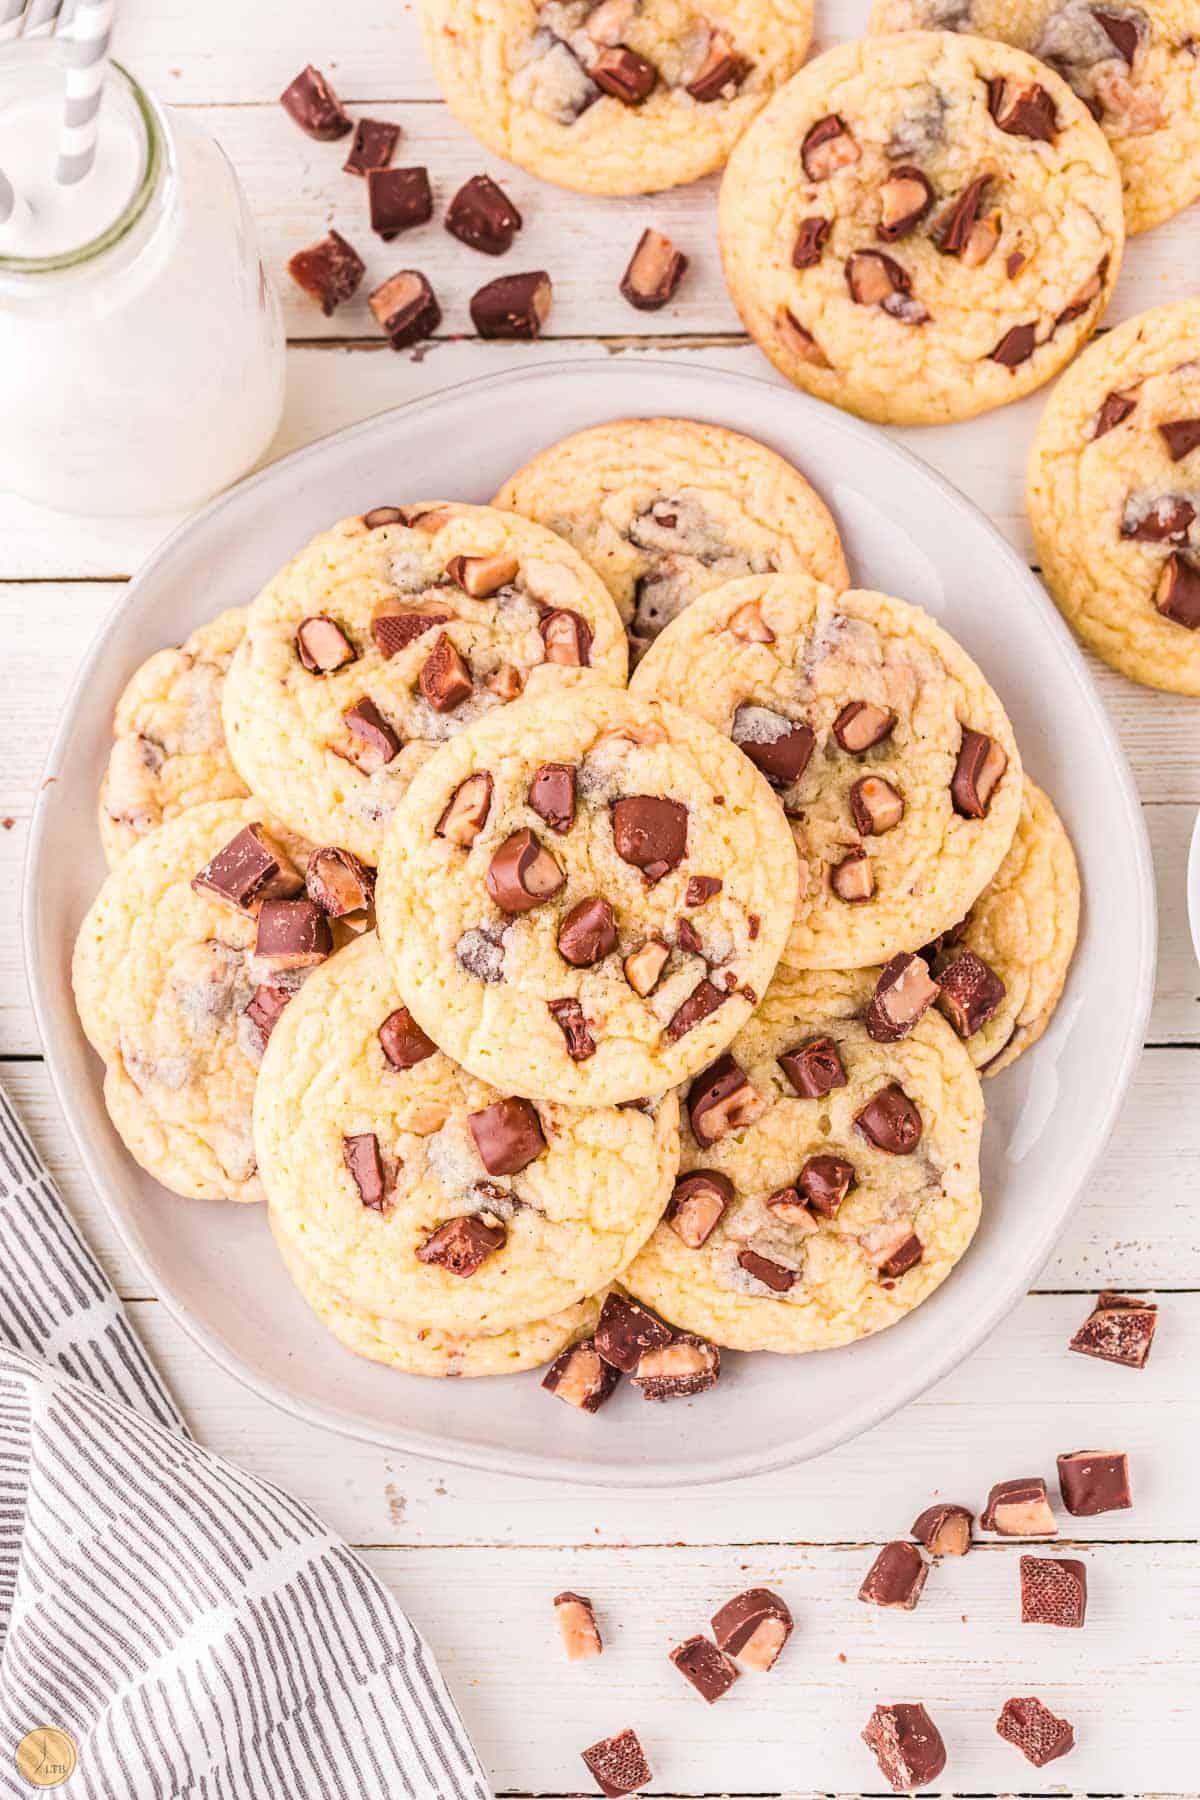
x=981 y=762
x=906 y=1744
x=860 y=726
x=697 y=1204
x=814 y=1068
x=265 y=1010
x=361 y=1157
x=1177 y=595
x=753 y=1627
x=513 y=306
x=617 y=1764
x=338 y=882
x=890 y=1121
x=461 y=1245
x=522 y=874
x=709 y=1670
x=552 y=795
x=373 y=743
x=969 y=993
x=1034 y=1729
x=722 y=1099
x=1119 y=1330
x=810 y=241
x=398 y=199
x=624 y=74
x=828 y=146
x=778 y=747
x=1114 y=410
x=483 y=576
x=1053 y=1591
x=251 y=868
x=687 y=1366
x=893 y=1247
x=312 y=104
x=1023 y=109
x=1094 y=1481
x=905 y=196
x=701 y=888
x=394 y=632
x=402 y=1040
x=582 y=1378
x=626 y=1331
x=588 y=933
x=944 y=1529
x=508 y=1136
x=1015 y=347
x=466 y=814
x=567 y=637
x=825 y=1181
x=373 y=146
x=569 y=1016
x=292 y=934
x=721 y=73
x=322 y=645
x=1181 y=436
x=896 y=1577
x=445 y=680
x=774 y=1275
x=577 y=1623
x=875 y=805
x=654 y=272
x=644 y=965
x=329 y=271
x=650 y=833
x=903 y=994
x=786 y=1204
x=1019 y=1509
x=405 y=308
x=853 y=879
x=482 y=216
x=703 y=1000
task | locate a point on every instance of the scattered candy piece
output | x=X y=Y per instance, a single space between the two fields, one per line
x=577 y=1622
x=1094 y=1481
x=906 y=1744
x=1033 y=1728
x=896 y=1577
x=1119 y=1330
x=1053 y=1591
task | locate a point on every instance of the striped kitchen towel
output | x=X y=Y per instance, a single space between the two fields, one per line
x=170 y=1626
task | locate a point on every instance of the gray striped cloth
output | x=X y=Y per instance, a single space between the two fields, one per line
x=198 y=1632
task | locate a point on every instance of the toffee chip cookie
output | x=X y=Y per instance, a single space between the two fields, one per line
x=1136 y=69
x=417 y=1193
x=169 y=742
x=892 y=757
x=614 y=97
x=828 y=1183
x=387 y=635
x=664 y=509
x=585 y=897
x=1113 y=492
x=921 y=227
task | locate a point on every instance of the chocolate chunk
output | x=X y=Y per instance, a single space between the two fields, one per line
x=906 y=1744
x=799 y=340
x=588 y=933
x=315 y=108
x=394 y=632
x=969 y=993
x=1016 y=346
x=375 y=743
x=1177 y=595
x=876 y=805
x=777 y=746
x=361 y=1156
x=582 y=1378
x=466 y=814
x=624 y=74
x=687 y=938
x=402 y=1040
x=481 y=953
x=1094 y=1481
x=952 y=230
x=338 y=882
x=1181 y=436
x=890 y=1121
x=399 y=199
x=904 y=199
x=853 y=879
x=626 y=1331
x=1164 y=521
x=903 y=994
x=265 y=1009
x=644 y=965
x=512 y=306
x=722 y=1099
x=329 y=270
x=1023 y=109
x=522 y=874
x=461 y=1245
x=703 y=1000
x=1122 y=33
x=482 y=216
x=567 y=637
x=896 y=1577
x=1036 y=1732
x=250 y=868
x=577 y=1623
x=1053 y=1591
x=508 y=1136
x=709 y=1670
x=1019 y=1509
x=981 y=762
x=650 y=833
x=860 y=726
x=569 y=1017
x=753 y=1627
x=721 y=73
x=774 y=1275
x=1119 y=1330
x=697 y=1204
x=445 y=680
x=825 y=1181
x=814 y=1067
x=552 y=795
x=944 y=1529
x=893 y=1247
x=292 y=934
x=702 y=888
x=483 y=576
x=810 y=242
x=322 y=645
x=653 y=273
x=828 y=146
x=1085 y=297
x=617 y=1764
x=373 y=146
x=1115 y=409
x=687 y=1366
x=405 y=308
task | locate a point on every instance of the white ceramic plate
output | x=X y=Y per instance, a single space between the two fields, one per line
x=1193 y=887
x=907 y=532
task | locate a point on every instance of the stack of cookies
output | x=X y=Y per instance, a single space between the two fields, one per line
x=557 y=1016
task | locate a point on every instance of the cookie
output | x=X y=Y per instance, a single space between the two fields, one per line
x=892 y=757
x=1113 y=494
x=921 y=227
x=585 y=896
x=1136 y=69
x=664 y=509
x=829 y=1187
x=389 y=634
x=169 y=743
x=429 y=1351
x=417 y=1193
x=616 y=97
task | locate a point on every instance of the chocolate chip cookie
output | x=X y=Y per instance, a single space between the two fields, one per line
x=1113 y=492
x=922 y=226
x=585 y=896
x=389 y=634
x=890 y=755
x=664 y=509
x=828 y=1182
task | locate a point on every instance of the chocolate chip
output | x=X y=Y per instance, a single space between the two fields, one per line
x=774 y=1275
x=552 y=796
x=703 y=1000
x=617 y=1764
x=753 y=1627
x=890 y=1121
x=394 y=632
x=1094 y=1481
x=687 y=1366
x=1118 y=1330
x=778 y=747
x=709 y=1670
x=266 y=1008
x=522 y=874
x=876 y=806
x=1019 y=1509
x=653 y=273
x=1034 y=1729
x=906 y=1744
x=577 y=1623
x=697 y=1205
x=508 y=1136
x=825 y=1181
x=626 y=1331
x=292 y=934
x=1177 y=595
x=624 y=74
x=810 y=241
x=569 y=1017
x=903 y=994
x=644 y=965
x=375 y=743
x=1181 y=436
x=944 y=1529
x=461 y=1245
x=969 y=993
x=722 y=1099
x=467 y=811
x=445 y=680
x=814 y=1067
x=338 y=882
x=853 y=879
x=373 y=146
x=405 y=308
x=650 y=833
x=583 y=1379
x=482 y=216
x=399 y=199
x=904 y=199
x=896 y=1577
x=361 y=1157
x=249 y=869
x=402 y=1040
x=567 y=637
x=952 y=230
x=828 y=146
x=588 y=933
x=861 y=725
x=1016 y=346
x=329 y=270
x=1014 y=262
x=512 y=306
x=1115 y=409
x=1053 y=1591
x=1023 y=109
x=312 y=104
x=687 y=938
x=721 y=73
x=1122 y=33
x=483 y=576
x=980 y=764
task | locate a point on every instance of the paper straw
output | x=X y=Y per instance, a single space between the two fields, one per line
x=12 y=13
x=41 y=17
x=87 y=63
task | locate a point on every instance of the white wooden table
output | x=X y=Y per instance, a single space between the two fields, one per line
x=476 y=1559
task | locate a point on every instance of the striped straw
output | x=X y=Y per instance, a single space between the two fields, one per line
x=40 y=18
x=12 y=15
x=87 y=50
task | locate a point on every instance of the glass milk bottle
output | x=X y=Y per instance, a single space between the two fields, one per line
x=141 y=349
